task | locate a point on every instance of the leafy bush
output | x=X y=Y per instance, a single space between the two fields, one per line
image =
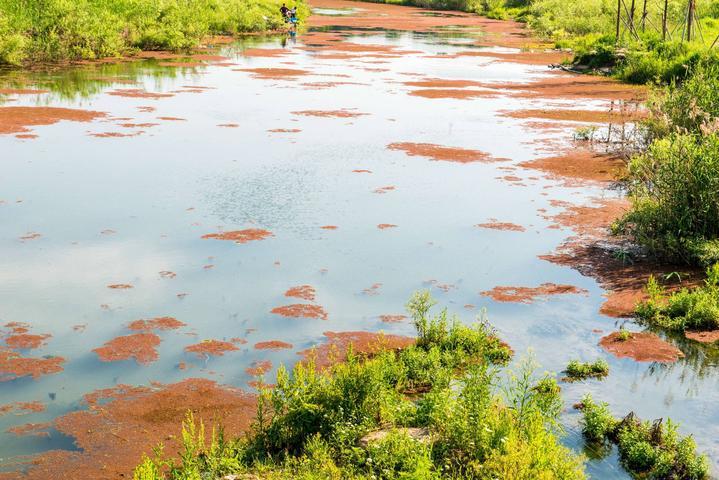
x=687 y=309
x=577 y=370
x=653 y=451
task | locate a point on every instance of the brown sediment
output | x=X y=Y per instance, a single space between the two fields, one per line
x=495 y=224
x=275 y=73
x=392 y=318
x=259 y=367
x=13 y=366
x=139 y=93
x=583 y=165
x=442 y=153
x=211 y=347
x=25 y=341
x=529 y=294
x=123 y=423
x=342 y=113
x=305 y=292
x=382 y=190
x=373 y=289
x=26 y=136
x=19 y=119
x=642 y=347
x=284 y=130
x=172 y=119
x=301 y=310
x=384 y=226
x=120 y=286
x=228 y=125
x=158 y=323
x=140 y=346
x=585 y=116
x=167 y=274
x=241 y=236
x=329 y=227
x=30 y=236
x=272 y=345
x=335 y=348
x=709 y=336
x=361 y=170
x=460 y=94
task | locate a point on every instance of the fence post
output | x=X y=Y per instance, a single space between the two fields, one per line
x=619 y=17
x=690 y=18
x=664 y=20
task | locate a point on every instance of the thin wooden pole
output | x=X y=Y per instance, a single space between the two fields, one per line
x=644 y=15
x=690 y=19
x=619 y=16
x=664 y=20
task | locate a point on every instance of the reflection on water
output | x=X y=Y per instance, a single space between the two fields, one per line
x=122 y=210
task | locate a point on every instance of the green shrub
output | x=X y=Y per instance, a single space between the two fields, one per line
x=577 y=370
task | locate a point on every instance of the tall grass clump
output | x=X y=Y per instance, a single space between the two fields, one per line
x=647 y=450
x=577 y=370
x=441 y=408
x=54 y=30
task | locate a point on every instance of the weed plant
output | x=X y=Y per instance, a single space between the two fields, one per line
x=577 y=370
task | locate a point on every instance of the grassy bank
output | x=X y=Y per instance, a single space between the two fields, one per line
x=442 y=408
x=55 y=30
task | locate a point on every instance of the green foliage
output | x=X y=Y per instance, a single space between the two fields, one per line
x=624 y=334
x=687 y=309
x=51 y=30
x=653 y=451
x=577 y=370
x=312 y=425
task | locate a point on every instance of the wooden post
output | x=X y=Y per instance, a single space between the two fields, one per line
x=619 y=18
x=664 y=20
x=644 y=16
x=690 y=18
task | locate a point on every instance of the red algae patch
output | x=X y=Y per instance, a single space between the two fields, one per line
x=21 y=91
x=272 y=345
x=22 y=408
x=585 y=165
x=167 y=274
x=159 y=323
x=441 y=153
x=275 y=73
x=710 y=336
x=264 y=52
x=284 y=130
x=443 y=83
x=495 y=224
x=393 y=318
x=211 y=347
x=13 y=366
x=19 y=119
x=642 y=347
x=116 y=134
x=456 y=93
x=383 y=190
x=384 y=226
x=25 y=341
x=240 y=236
x=305 y=292
x=335 y=348
x=172 y=119
x=120 y=286
x=140 y=346
x=342 y=113
x=329 y=227
x=123 y=423
x=361 y=170
x=30 y=236
x=529 y=294
x=259 y=368
x=139 y=93
x=585 y=116
x=301 y=310
x=228 y=125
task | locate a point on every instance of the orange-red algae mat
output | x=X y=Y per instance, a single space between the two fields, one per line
x=441 y=153
x=121 y=424
x=336 y=345
x=13 y=365
x=20 y=119
x=642 y=347
x=140 y=346
x=211 y=347
x=305 y=292
x=529 y=294
x=301 y=310
x=240 y=236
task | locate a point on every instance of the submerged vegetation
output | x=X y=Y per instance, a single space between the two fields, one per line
x=648 y=450
x=437 y=409
x=53 y=30
x=577 y=370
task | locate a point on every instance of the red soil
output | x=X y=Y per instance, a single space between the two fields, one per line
x=123 y=423
x=159 y=323
x=704 y=337
x=384 y=226
x=342 y=113
x=139 y=93
x=301 y=310
x=305 y=292
x=259 y=368
x=393 y=318
x=272 y=345
x=25 y=341
x=364 y=343
x=494 y=224
x=12 y=365
x=19 y=119
x=440 y=153
x=642 y=347
x=140 y=346
x=529 y=294
x=241 y=236
x=211 y=347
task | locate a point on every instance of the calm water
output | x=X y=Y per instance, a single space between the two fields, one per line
x=161 y=191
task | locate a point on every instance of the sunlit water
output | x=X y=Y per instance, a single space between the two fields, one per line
x=161 y=191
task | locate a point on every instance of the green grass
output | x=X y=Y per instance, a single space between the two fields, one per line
x=647 y=450
x=577 y=370
x=55 y=30
x=478 y=419
x=687 y=309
